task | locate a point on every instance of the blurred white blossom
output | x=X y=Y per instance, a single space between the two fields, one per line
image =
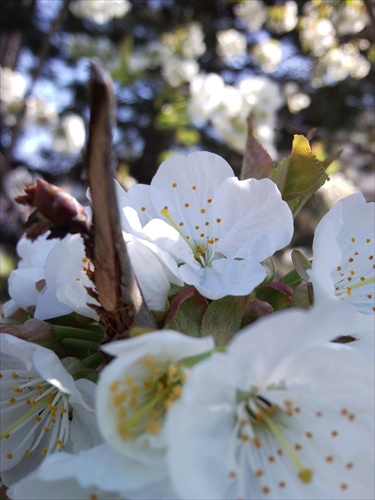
x=230 y=44
x=12 y=89
x=339 y=186
x=206 y=95
x=69 y=136
x=268 y=55
x=79 y=45
x=349 y=18
x=317 y=35
x=227 y=108
x=339 y=63
x=282 y=18
x=252 y=13
x=100 y=11
x=295 y=98
x=176 y=70
x=193 y=45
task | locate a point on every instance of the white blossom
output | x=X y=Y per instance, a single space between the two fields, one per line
x=100 y=11
x=65 y=272
x=206 y=95
x=283 y=414
x=343 y=265
x=43 y=410
x=12 y=87
x=193 y=45
x=217 y=228
x=25 y=282
x=317 y=35
x=69 y=136
x=177 y=70
x=253 y=14
x=268 y=55
x=283 y=18
x=349 y=18
x=230 y=44
x=296 y=99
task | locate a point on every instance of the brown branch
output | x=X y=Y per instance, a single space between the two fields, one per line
x=116 y=286
x=370 y=10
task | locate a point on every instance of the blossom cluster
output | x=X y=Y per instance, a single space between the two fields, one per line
x=278 y=408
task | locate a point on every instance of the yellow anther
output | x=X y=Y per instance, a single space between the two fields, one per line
x=114 y=386
x=152 y=427
x=306 y=475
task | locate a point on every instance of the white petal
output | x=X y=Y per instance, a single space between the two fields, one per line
x=167 y=238
x=192 y=180
x=22 y=287
x=331 y=390
x=224 y=277
x=150 y=273
x=255 y=221
x=49 y=307
x=343 y=251
x=66 y=278
x=51 y=480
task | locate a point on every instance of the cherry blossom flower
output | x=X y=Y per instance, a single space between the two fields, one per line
x=283 y=414
x=43 y=410
x=343 y=265
x=52 y=276
x=25 y=282
x=135 y=392
x=217 y=228
x=138 y=387
x=66 y=281
x=56 y=478
x=99 y=473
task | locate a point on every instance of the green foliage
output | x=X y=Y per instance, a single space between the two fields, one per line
x=186 y=312
x=299 y=175
x=223 y=318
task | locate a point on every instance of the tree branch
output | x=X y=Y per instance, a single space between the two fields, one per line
x=116 y=286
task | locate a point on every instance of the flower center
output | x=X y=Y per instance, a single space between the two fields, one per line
x=140 y=406
x=36 y=405
x=258 y=421
x=202 y=245
x=355 y=277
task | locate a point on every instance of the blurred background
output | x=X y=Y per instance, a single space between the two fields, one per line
x=186 y=75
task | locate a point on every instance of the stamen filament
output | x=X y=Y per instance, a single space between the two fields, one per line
x=167 y=215
x=361 y=283
x=15 y=424
x=304 y=474
x=143 y=410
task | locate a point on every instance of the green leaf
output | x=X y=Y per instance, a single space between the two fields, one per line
x=301 y=264
x=302 y=296
x=277 y=294
x=223 y=318
x=299 y=175
x=81 y=348
x=186 y=312
x=61 y=332
x=256 y=309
